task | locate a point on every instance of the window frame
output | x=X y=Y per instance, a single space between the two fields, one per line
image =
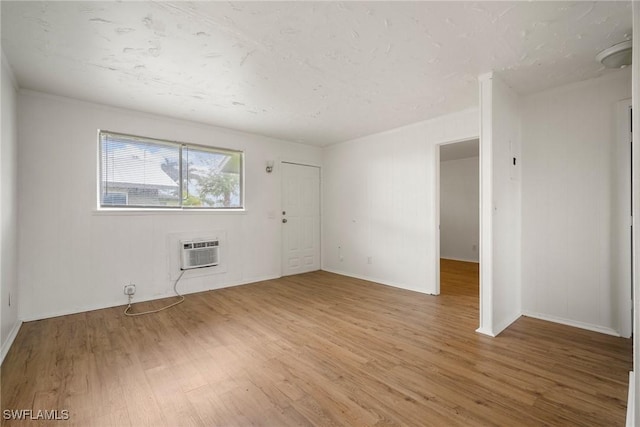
x=181 y=146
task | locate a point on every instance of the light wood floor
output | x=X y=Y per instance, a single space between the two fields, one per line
x=317 y=349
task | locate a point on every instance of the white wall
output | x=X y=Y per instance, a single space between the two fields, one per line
x=379 y=202
x=568 y=184
x=459 y=209
x=73 y=258
x=9 y=322
x=500 y=238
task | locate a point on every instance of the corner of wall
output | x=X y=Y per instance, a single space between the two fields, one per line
x=500 y=287
x=6 y=346
x=360 y=203
x=486 y=206
x=6 y=68
x=9 y=321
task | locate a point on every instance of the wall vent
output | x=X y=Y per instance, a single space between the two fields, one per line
x=199 y=253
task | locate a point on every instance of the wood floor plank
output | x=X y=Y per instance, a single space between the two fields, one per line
x=316 y=349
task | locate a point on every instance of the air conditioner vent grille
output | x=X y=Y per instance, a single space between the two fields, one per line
x=199 y=253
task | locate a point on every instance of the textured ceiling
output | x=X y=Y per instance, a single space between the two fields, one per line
x=311 y=72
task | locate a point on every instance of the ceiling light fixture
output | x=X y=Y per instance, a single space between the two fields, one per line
x=616 y=56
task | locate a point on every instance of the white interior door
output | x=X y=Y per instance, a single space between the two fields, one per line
x=300 y=218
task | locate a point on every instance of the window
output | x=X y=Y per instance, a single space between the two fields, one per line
x=115 y=198
x=148 y=173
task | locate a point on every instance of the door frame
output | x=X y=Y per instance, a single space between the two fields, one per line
x=437 y=205
x=624 y=265
x=291 y=162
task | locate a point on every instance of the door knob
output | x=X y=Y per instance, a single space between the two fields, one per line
x=284 y=220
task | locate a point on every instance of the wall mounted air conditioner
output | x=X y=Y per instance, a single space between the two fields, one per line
x=199 y=253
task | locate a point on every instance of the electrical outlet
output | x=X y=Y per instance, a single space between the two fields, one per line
x=130 y=289
x=369 y=260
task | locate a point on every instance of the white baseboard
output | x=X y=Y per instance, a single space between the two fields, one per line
x=574 y=323
x=497 y=330
x=475 y=261
x=631 y=400
x=100 y=306
x=485 y=331
x=376 y=280
x=505 y=324
x=9 y=342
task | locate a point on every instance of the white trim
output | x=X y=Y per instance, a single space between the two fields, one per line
x=623 y=266
x=93 y=307
x=497 y=330
x=377 y=281
x=176 y=211
x=9 y=341
x=290 y=162
x=574 y=323
x=6 y=68
x=460 y=259
x=436 y=216
x=485 y=332
x=456 y=141
x=631 y=401
x=635 y=203
x=486 y=202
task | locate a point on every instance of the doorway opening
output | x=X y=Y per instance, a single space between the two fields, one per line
x=458 y=210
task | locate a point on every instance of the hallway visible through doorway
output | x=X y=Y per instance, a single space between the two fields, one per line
x=460 y=279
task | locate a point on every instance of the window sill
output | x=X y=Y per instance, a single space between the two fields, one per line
x=137 y=212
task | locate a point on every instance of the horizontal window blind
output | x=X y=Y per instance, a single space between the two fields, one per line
x=148 y=173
